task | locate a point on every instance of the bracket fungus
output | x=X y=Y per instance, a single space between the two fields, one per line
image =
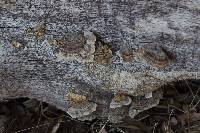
x=133 y=112
x=80 y=106
x=156 y=55
x=116 y=115
x=143 y=103
x=103 y=53
x=119 y=100
x=40 y=31
x=76 y=46
x=127 y=55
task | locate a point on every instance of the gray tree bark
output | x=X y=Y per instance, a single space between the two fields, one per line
x=135 y=47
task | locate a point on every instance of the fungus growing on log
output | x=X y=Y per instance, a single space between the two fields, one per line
x=103 y=53
x=116 y=115
x=76 y=46
x=119 y=100
x=40 y=31
x=72 y=43
x=127 y=55
x=156 y=55
x=143 y=103
x=80 y=106
x=45 y=71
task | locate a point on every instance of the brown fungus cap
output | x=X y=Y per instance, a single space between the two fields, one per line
x=80 y=106
x=119 y=100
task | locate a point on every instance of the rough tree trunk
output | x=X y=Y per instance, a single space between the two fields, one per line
x=139 y=46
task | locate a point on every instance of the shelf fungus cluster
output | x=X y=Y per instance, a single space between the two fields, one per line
x=146 y=102
x=80 y=106
x=76 y=46
x=83 y=47
x=118 y=107
x=123 y=105
x=156 y=55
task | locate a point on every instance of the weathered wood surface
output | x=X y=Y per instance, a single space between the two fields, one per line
x=37 y=70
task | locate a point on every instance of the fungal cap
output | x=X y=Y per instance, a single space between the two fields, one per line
x=156 y=55
x=89 y=117
x=119 y=100
x=103 y=54
x=76 y=98
x=127 y=55
x=76 y=46
x=133 y=112
x=40 y=31
x=80 y=106
x=148 y=95
x=82 y=109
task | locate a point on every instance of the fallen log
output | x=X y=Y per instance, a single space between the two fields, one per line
x=97 y=58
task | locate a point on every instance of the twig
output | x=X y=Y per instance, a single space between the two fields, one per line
x=32 y=128
x=40 y=112
x=189 y=87
x=154 y=127
x=194 y=97
x=56 y=127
